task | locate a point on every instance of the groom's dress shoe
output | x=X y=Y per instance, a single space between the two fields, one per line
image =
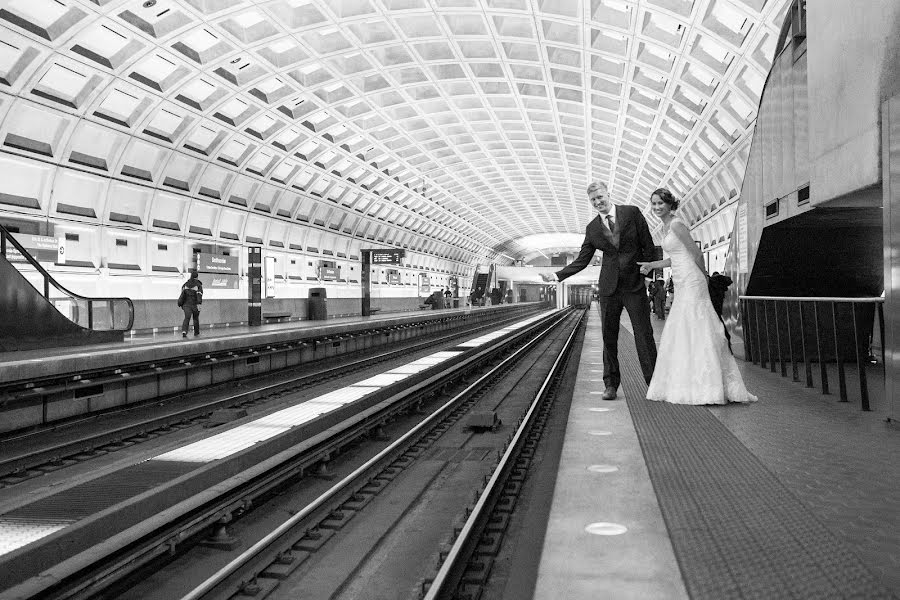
x=610 y=393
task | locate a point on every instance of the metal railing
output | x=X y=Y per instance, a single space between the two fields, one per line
x=786 y=329
x=98 y=314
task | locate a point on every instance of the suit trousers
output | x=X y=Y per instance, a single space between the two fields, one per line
x=639 y=312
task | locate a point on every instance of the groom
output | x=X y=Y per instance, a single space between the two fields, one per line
x=623 y=236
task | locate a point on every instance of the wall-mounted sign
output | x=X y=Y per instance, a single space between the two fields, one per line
x=214 y=263
x=41 y=247
x=424 y=285
x=393 y=276
x=743 y=247
x=213 y=281
x=329 y=273
x=269 y=275
x=386 y=256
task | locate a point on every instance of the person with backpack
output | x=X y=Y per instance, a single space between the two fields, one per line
x=190 y=300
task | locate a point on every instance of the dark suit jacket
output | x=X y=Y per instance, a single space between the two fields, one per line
x=620 y=271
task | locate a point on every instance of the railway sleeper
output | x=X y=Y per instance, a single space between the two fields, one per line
x=286 y=563
x=490 y=543
x=470 y=591
x=478 y=570
x=313 y=540
x=497 y=522
x=358 y=501
x=337 y=519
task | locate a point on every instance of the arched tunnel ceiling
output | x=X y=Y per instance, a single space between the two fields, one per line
x=471 y=123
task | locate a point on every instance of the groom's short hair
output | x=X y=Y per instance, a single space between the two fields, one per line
x=594 y=185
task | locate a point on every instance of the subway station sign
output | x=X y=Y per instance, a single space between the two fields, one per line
x=382 y=256
x=214 y=263
x=43 y=248
x=218 y=271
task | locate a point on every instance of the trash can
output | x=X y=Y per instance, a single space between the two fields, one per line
x=318 y=304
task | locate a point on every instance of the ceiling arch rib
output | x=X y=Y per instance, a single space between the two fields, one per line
x=488 y=118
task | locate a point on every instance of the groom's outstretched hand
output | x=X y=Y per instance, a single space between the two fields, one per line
x=549 y=277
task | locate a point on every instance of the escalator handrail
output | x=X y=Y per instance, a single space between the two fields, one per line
x=6 y=236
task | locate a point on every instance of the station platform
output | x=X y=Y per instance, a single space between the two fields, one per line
x=47 y=388
x=42 y=363
x=794 y=496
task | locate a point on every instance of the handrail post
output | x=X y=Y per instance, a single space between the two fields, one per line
x=46 y=287
x=842 y=378
x=762 y=361
x=823 y=371
x=806 y=364
x=862 y=340
x=748 y=346
x=860 y=364
x=768 y=337
x=3 y=243
x=794 y=374
x=90 y=311
x=778 y=339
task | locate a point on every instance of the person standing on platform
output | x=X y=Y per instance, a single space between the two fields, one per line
x=622 y=234
x=669 y=295
x=658 y=291
x=694 y=366
x=718 y=285
x=190 y=300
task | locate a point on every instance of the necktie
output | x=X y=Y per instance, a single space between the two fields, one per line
x=611 y=223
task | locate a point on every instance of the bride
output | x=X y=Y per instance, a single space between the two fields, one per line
x=694 y=365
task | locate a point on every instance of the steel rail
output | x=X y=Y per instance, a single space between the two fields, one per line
x=360 y=474
x=113 y=365
x=448 y=576
x=88 y=443
x=87 y=572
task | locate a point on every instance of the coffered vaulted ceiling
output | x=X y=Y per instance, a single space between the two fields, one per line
x=472 y=123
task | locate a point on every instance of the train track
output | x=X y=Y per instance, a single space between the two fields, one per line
x=426 y=501
x=88 y=438
x=80 y=578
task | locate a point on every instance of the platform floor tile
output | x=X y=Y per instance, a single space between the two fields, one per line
x=738 y=527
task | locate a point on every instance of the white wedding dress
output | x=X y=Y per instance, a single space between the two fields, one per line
x=693 y=365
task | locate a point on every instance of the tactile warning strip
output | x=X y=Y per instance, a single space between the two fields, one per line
x=737 y=531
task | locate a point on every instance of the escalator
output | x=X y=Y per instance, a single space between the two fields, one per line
x=46 y=314
x=480 y=285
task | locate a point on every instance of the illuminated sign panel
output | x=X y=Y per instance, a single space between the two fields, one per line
x=217 y=271
x=386 y=257
x=214 y=263
x=41 y=247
